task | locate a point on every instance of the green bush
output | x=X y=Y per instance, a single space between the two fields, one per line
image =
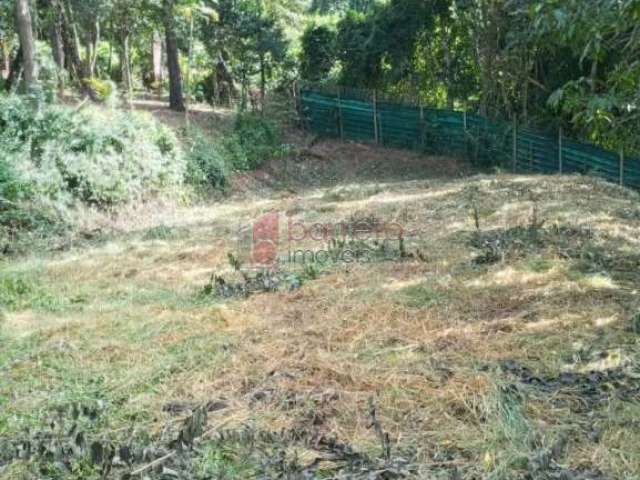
x=255 y=140
x=105 y=89
x=207 y=168
x=11 y=189
x=100 y=157
x=53 y=158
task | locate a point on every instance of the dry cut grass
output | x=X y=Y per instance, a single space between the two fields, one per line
x=509 y=350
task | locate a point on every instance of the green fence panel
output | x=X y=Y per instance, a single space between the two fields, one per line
x=632 y=172
x=357 y=120
x=361 y=115
x=399 y=126
x=321 y=114
x=536 y=152
x=590 y=160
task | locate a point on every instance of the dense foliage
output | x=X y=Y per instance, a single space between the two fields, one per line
x=549 y=62
x=253 y=141
x=55 y=158
x=99 y=157
x=318 y=52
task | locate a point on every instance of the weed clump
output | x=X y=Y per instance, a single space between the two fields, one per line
x=54 y=158
x=254 y=141
x=207 y=169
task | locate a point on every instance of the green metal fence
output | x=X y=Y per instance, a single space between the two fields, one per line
x=364 y=116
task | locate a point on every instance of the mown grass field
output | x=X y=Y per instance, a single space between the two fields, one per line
x=505 y=344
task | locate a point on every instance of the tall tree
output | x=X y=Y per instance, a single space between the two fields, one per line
x=156 y=54
x=25 y=31
x=176 y=100
x=318 y=55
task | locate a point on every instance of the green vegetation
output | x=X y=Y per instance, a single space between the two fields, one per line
x=569 y=64
x=207 y=166
x=253 y=141
x=94 y=156
x=423 y=319
x=55 y=159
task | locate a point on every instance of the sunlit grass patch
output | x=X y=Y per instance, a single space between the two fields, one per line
x=421 y=295
x=29 y=289
x=351 y=192
x=123 y=362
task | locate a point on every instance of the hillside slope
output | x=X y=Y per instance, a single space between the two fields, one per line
x=498 y=339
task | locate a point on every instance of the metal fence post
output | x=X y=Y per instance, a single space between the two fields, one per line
x=515 y=143
x=422 y=127
x=464 y=134
x=560 y=157
x=340 y=124
x=621 y=168
x=375 y=117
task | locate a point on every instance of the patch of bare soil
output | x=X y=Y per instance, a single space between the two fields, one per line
x=324 y=163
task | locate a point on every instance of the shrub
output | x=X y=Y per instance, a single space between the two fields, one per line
x=100 y=157
x=54 y=157
x=105 y=89
x=11 y=189
x=206 y=165
x=255 y=140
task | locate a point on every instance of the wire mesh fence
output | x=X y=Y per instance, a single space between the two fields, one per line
x=364 y=115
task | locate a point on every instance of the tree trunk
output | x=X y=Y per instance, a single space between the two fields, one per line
x=15 y=69
x=55 y=39
x=69 y=41
x=25 y=31
x=92 y=49
x=111 y=42
x=446 y=52
x=5 y=59
x=594 y=76
x=125 y=65
x=71 y=47
x=157 y=58
x=176 y=101
x=57 y=49
x=487 y=47
x=263 y=81
x=224 y=77
x=190 y=58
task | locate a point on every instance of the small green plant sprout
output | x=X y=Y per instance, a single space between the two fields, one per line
x=234 y=262
x=471 y=194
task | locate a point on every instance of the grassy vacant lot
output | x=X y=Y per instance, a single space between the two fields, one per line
x=504 y=344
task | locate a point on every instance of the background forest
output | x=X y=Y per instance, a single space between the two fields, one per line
x=550 y=62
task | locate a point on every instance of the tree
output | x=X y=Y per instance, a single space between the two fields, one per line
x=247 y=42
x=328 y=6
x=27 y=45
x=156 y=58
x=359 y=54
x=318 y=54
x=7 y=29
x=176 y=100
